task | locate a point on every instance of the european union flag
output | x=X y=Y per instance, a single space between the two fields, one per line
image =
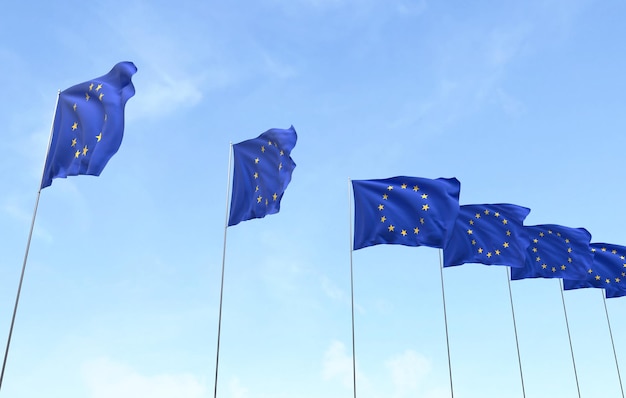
x=556 y=252
x=608 y=270
x=262 y=171
x=408 y=211
x=89 y=124
x=491 y=234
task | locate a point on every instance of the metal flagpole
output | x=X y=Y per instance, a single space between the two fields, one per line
x=352 y=291
x=612 y=343
x=445 y=319
x=30 y=235
x=519 y=360
x=569 y=337
x=219 y=322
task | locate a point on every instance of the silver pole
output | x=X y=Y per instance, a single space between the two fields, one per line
x=219 y=322
x=352 y=291
x=445 y=319
x=30 y=235
x=612 y=343
x=519 y=360
x=569 y=336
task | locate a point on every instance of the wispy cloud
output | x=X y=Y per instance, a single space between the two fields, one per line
x=105 y=378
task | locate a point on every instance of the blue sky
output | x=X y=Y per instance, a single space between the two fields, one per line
x=522 y=102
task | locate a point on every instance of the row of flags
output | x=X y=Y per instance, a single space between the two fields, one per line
x=411 y=211
x=415 y=211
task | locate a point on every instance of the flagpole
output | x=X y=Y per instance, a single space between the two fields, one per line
x=219 y=322
x=30 y=235
x=519 y=358
x=569 y=337
x=351 y=290
x=606 y=311
x=445 y=320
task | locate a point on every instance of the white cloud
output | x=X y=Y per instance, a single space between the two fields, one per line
x=236 y=389
x=105 y=379
x=408 y=370
x=338 y=364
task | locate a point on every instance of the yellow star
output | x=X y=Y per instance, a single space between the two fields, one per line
x=73 y=141
x=480 y=250
x=403 y=186
x=549 y=231
x=87 y=97
x=566 y=240
x=275 y=196
x=256 y=161
x=416 y=188
x=590 y=271
x=255 y=175
x=538 y=259
x=74 y=126
x=569 y=249
x=471 y=222
x=497 y=214
x=74 y=107
x=553 y=269
x=262 y=148
x=280 y=166
x=505 y=244
x=98 y=87
x=85 y=150
x=563 y=267
x=385 y=197
x=508 y=233
x=256 y=189
x=282 y=153
x=618 y=280
x=569 y=259
x=614 y=251
x=477 y=215
x=389 y=188
x=403 y=232
x=416 y=230
x=486 y=212
x=424 y=196
x=607 y=280
x=544 y=266
x=489 y=254
x=425 y=207
x=597 y=277
x=603 y=249
x=391 y=228
x=535 y=240
x=541 y=234
x=534 y=250
x=100 y=96
x=91 y=87
x=505 y=221
x=267 y=202
x=76 y=154
x=497 y=252
x=473 y=241
x=259 y=199
x=381 y=207
x=422 y=222
x=383 y=219
x=99 y=136
x=469 y=232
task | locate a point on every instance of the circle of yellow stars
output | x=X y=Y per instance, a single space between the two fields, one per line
x=257 y=161
x=95 y=90
x=385 y=199
x=473 y=228
x=608 y=280
x=535 y=250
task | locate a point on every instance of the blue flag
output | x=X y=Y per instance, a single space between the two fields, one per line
x=608 y=270
x=263 y=168
x=89 y=124
x=491 y=234
x=408 y=211
x=556 y=252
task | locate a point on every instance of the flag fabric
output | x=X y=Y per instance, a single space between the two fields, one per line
x=408 y=211
x=556 y=251
x=608 y=270
x=262 y=171
x=491 y=234
x=89 y=124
